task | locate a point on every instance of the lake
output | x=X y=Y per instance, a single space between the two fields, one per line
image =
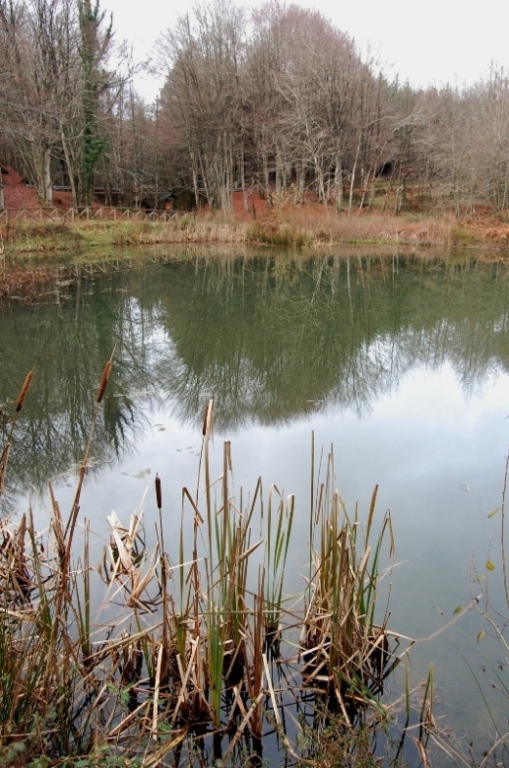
x=401 y=363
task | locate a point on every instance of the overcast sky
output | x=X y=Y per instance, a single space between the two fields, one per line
x=435 y=41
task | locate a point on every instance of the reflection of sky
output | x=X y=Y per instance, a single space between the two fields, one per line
x=438 y=457
x=436 y=453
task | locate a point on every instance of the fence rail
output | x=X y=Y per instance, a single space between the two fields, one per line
x=87 y=214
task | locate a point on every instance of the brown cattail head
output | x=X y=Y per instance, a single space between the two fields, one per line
x=159 y=495
x=24 y=390
x=104 y=380
x=208 y=418
x=205 y=417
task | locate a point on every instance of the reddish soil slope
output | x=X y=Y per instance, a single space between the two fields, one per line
x=17 y=194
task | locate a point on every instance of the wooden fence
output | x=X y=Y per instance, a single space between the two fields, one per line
x=87 y=214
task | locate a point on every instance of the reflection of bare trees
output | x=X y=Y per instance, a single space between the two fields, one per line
x=278 y=338
x=274 y=338
x=71 y=344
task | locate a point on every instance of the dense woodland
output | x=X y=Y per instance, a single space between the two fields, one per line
x=278 y=101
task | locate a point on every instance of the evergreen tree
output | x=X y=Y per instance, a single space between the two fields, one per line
x=94 y=45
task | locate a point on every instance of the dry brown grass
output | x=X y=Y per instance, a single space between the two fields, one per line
x=326 y=226
x=313 y=226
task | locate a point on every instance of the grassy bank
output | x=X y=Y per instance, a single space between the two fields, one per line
x=149 y=660
x=309 y=226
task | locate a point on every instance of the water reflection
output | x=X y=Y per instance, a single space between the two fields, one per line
x=401 y=363
x=276 y=339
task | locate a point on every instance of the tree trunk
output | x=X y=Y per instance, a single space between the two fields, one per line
x=352 y=180
x=70 y=167
x=338 y=182
x=48 y=184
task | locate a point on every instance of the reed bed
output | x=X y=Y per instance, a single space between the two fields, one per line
x=146 y=660
x=318 y=226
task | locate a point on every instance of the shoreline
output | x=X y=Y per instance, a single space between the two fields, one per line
x=35 y=253
x=309 y=227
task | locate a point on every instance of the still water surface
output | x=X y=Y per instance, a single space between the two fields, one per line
x=401 y=364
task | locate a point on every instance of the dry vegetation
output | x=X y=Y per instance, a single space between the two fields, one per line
x=144 y=659
x=310 y=226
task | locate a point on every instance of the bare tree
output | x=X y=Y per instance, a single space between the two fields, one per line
x=53 y=78
x=202 y=96
x=38 y=72
x=326 y=107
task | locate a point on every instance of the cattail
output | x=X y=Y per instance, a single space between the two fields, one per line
x=205 y=417
x=104 y=380
x=24 y=390
x=208 y=417
x=159 y=495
